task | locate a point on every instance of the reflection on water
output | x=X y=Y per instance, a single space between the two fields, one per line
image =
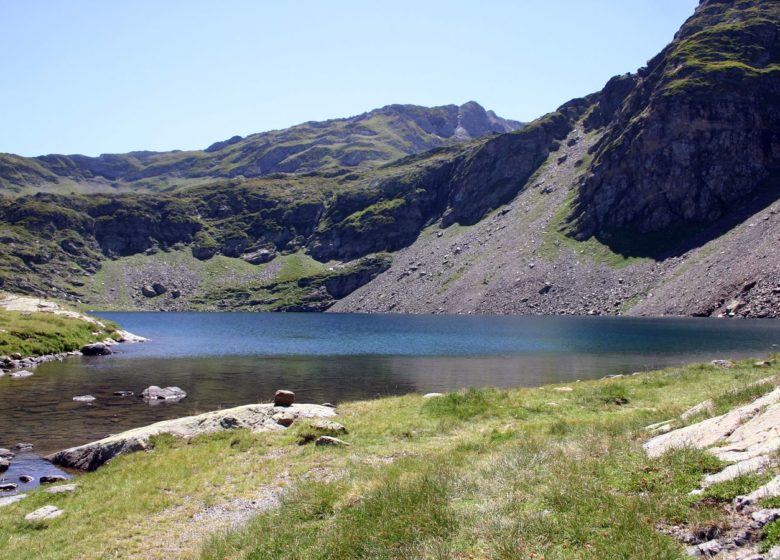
x=224 y=360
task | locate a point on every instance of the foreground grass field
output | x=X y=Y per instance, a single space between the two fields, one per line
x=553 y=472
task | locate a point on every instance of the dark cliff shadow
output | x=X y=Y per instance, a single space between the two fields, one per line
x=674 y=242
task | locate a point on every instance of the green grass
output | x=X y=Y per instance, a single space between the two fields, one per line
x=481 y=473
x=728 y=490
x=35 y=334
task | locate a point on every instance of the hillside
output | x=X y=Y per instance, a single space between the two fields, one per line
x=357 y=142
x=657 y=195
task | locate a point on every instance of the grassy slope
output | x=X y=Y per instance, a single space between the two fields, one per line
x=35 y=334
x=477 y=474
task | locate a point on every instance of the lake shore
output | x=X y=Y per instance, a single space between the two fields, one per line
x=555 y=471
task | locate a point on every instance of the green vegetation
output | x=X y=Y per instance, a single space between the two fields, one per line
x=35 y=334
x=520 y=473
x=730 y=489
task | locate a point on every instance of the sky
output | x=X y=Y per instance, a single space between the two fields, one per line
x=97 y=76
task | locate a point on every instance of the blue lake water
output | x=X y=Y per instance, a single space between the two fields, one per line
x=228 y=359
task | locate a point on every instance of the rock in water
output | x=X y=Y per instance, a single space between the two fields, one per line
x=284 y=398
x=84 y=398
x=4 y=465
x=51 y=479
x=44 y=514
x=155 y=393
x=96 y=349
x=7 y=487
x=21 y=373
x=123 y=393
x=6 y=453
x=25 y=479
x=24 y=446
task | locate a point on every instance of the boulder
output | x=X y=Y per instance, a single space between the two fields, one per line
x=84 y=398
x=23 y=446
x=284 y=398
x=329 y=426
x=96 y=349
x=254 y=417
x=5 y=464
x=21 y=374
x=26 y=479
x=260 y=256
x=16 y=356
x=155 y=393
x=44 y=514
x=159 y=289
x=7 y=487
x=6 y=453
x=148 y=291
x=51 y=478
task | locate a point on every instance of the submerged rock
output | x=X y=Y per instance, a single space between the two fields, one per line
x=21 y=374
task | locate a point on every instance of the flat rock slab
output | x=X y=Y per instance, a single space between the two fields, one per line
x=44 y=514
x=254 y=417
x=63 y=489
x=21 y=374
x=8 y=500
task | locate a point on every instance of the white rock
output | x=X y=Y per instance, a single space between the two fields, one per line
x=63 y=489
x=705 y=406
x=44 y=514
x=432 y=395
x=768 y=490
x=8 y=500
x=84 y=398
x=21 y=373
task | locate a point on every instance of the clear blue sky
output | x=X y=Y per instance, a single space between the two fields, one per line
x=106 y=76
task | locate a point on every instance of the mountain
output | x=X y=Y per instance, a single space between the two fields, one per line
x=357 y=142
x=657 y=195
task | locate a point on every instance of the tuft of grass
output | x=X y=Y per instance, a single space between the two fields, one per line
x=462 y=405
x=728 y=490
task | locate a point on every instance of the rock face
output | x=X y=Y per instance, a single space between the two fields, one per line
x=255 y=417
x=669 y=160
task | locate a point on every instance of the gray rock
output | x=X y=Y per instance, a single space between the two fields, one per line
x=148 y=291
x=722 y=363
x=96 y=349
x=432 y=395
x=254 y=417
x=4 y=464
x=329 y=426
x=62 y=489
x=21 y=374
x=7 y=487
x=764 y=516
x=6 y=453
x=24 y=446
x=155 y=393
x=284 y=419
x=44 y=514
x=26 y=478
x=159 y=289
x=84 y=398
x=284 y=398
x=328 y=440
x=259 y=257
x=8 y=500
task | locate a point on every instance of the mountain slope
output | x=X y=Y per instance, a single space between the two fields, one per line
x=357 y=142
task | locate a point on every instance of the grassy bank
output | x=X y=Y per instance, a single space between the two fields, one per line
x=553 y=472
x=38 y=333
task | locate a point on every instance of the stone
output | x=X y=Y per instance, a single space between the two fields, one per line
x=96 y=349
x=155 y=393
x=330 y=441
x=7 y=487
x=762 y=364
x=24 y=446
x=283 y=397
x=176 y=294
x=84 y=398
x=253 y=417
x=259 y=257
x=768 y=490
x=8 y=500
x=329 y=426
x=284 y=419
x=563 y=389
x=764 y=516
x=4 y=465
x=159 y=289
x=44 y=514
x=21 y=374
x=123 y=393
x=722 y=363
x=148 y=291
x=51 y=478
x=6 y=453
x=16 y=356
x=26 y=478
x=432 y=395
x=62 y=489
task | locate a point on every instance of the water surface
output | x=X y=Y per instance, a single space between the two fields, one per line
x=228 y=359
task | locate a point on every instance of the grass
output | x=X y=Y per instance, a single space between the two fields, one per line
x=36 y=334
x=481 y=473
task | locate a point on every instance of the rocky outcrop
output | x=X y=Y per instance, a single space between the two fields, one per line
x=697 y=137
x=254 y=417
